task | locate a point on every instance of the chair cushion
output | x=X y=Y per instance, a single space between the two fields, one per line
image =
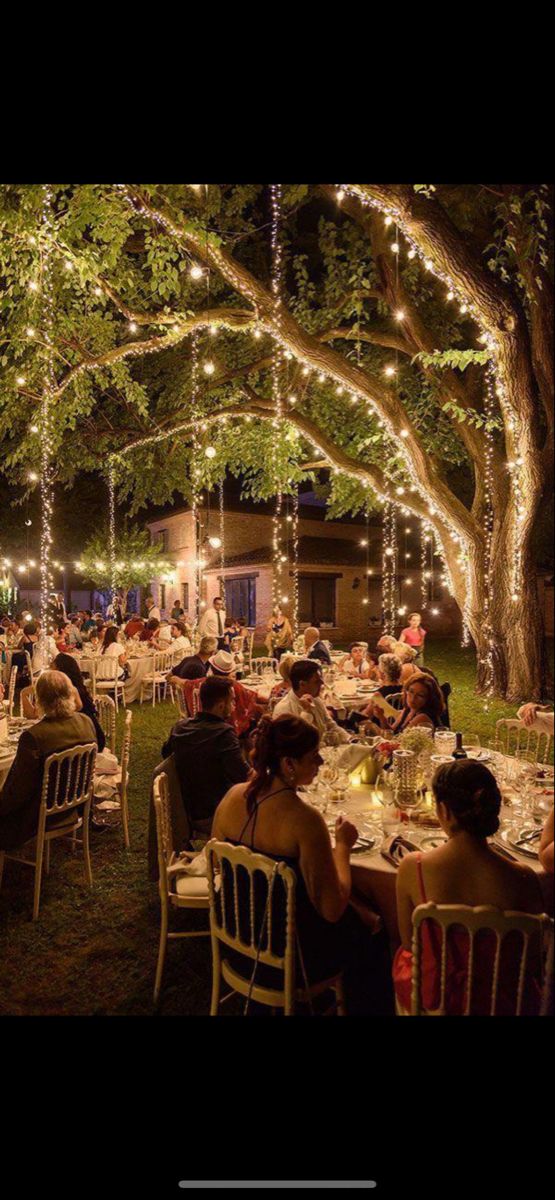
x=191 y=885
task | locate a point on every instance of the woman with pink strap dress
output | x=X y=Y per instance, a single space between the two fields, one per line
x=465 y=870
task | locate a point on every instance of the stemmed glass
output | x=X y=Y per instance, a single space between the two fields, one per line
x=472 y=744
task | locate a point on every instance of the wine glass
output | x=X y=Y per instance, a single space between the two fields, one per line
x=472 y=744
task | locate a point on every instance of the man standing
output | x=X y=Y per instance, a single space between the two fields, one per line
x=207 y=754
x=304 y=701
x=152 y=610
x=212 y=622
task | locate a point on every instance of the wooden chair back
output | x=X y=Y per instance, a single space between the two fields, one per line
x=106 y=713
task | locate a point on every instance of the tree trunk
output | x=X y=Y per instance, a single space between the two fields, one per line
x=511 y=653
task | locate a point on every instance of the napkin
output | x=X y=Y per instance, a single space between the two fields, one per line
x=195 y=866
x=396 y=848
x=351 y=756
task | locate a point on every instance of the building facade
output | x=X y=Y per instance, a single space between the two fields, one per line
x=335 y=590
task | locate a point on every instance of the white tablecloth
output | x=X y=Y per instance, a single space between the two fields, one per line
x=138 y=668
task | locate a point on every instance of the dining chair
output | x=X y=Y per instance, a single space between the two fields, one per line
x=66 y=797
x=532 y=930
x=181 y=702
x=252 y=913
x=177 y=889
x=395 y=700
x=514 y=737
x=158 y=677
x=106 y=712
x=108 y=680
x=121 y=778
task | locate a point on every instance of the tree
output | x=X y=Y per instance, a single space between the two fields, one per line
x=465 y=423
x=135 y=562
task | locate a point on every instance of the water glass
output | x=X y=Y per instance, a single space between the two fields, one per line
x=444 y=742
x=472 y=744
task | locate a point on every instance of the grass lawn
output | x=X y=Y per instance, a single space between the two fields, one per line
x=94 y=953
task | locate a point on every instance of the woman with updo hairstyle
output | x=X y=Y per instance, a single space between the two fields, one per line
x=468 y=870
x=267 y=814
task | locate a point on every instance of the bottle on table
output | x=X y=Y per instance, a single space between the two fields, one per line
x=459 y=752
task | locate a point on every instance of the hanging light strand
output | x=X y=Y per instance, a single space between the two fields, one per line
x=112 y=521
x=222 y=537
x=389 y=554
x=195 y=476
x=45 y=420
x=275 y=192
x=296 y=562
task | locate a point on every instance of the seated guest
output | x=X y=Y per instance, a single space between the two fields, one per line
x=355 y=662
x=177 y=612
x=423 y=705
x=83 y=699
x=232 y=630
x=195 y=666
x=207 y=753
x=466 y=870
x=315 y=647
x=73 y=634
x=111 y=649
x=267 y=815
x=248 y=706
x=372 y=658
x=88 y=623
x=387 y=644
x=536 y=716
x=150 y=631
x=134 y=625
x=546 y=845
x=60 y=728
x=303 y=700
x=284 y=669
x=407 y=658
x=180 y=639
x=164 y=635
x=61 y=638
x=389 y=673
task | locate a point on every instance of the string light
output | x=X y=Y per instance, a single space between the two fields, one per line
x=295 y=532
x=275 y=194
x=389 y=567
x=195 y=474
x=112 y=526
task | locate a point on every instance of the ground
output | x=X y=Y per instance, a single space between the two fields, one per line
x=94 y=953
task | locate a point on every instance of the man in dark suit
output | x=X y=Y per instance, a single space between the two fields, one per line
x=60 y=728
x=207 y=753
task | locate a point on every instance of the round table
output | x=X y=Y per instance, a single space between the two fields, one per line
x=139 y=666
x=360 y=801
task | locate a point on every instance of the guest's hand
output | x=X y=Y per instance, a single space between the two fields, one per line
x=345 y=833
x=306 y=702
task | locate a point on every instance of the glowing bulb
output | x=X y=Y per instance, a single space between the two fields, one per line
x=257 y=334
x=389 y=371
x=399 y=315
x=340 y=195
x=400 y=491
x=306 y=370
x=370 y=571
x=34 y=428
x=208 y=368
x=285 y=599
x=210 y=452
x=97 y=291
x=213 y=330
x=133 y=326
x=99 y=566
x=21 y=570
x=292 y=399
x=435 y=612
x=33 y=476
x=514 y=596
x=30 y=331
x=408 y=582
x=20 y=380
x=33 y=286
x=215 y=542
x=463 y=308
x=389 y=551
x=365 y=600
x=32 y=562
x=411 y=254
x=196 y=272
x=428 y=264
x=408 y=530
x=321 y=377
x=68 y=265
x=364 y=542
x=339 y=390
x=395 y=247
x=404 y=433
x=388 y=220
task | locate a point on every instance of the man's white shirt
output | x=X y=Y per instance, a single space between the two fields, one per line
x=317 y=715
x=208 y=624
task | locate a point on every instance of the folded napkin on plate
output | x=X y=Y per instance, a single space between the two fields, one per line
x=396 y=848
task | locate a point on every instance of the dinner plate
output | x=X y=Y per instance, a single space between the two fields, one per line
x=508 y=839
x=481 y=756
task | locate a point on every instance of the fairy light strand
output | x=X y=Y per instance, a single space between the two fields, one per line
x=277 y=256
x=45 y=421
